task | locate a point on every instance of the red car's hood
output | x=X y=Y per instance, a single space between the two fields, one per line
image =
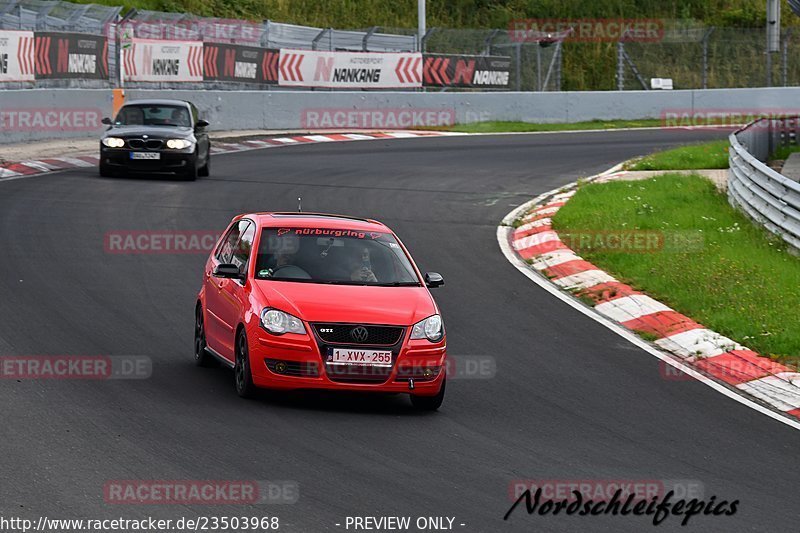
x=312 y=302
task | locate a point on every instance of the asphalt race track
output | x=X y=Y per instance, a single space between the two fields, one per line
x=570 y=400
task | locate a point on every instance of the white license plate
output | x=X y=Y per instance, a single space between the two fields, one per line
x=145 y=155
x=357 y=357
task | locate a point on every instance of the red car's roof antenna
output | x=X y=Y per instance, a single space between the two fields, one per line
x=299 y=204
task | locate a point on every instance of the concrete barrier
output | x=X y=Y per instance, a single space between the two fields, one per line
x=33 y=114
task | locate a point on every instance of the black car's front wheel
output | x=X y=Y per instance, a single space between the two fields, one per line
x=205 y=170
x=191 y=171
x=243 y=376
x=105 y=171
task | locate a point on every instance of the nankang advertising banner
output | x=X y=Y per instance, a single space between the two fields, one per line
x=479 y=72
x=71 y=55
x=156 y=60
x=350 y=70
x=244 y=64
x=16 y=56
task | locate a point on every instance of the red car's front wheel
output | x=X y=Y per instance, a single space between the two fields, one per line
x=429 y=403
x=241 y=370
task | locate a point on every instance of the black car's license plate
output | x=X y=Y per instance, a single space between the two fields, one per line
x=145 y=155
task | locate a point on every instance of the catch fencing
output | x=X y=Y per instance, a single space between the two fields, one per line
x=767 y=196
x=47 y=44
x=88 y=44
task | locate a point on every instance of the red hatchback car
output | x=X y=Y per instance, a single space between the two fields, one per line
x=315 y=301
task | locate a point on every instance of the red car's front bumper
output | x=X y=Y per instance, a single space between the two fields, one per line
x=295 y=362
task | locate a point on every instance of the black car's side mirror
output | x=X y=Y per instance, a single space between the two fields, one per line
x=106 y=121
x=201 y=124
x=226 y=270
x=433 y=280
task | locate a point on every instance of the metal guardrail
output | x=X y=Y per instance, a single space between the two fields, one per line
x=765 y=195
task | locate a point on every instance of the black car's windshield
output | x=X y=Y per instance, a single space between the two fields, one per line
x=153 y=115
x=336 y=256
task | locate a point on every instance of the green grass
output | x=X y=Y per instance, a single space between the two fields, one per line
x=783 y=152
x=740 y=281
x=509 y=127
x=692 y=157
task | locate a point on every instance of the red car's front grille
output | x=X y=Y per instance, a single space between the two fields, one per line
x=359 y=335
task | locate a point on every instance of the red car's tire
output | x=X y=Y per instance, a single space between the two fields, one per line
x=201 y=356
x=429 y=403
x=243 y=377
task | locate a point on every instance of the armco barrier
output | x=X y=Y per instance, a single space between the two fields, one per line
x=291 y=110
x=765 y=195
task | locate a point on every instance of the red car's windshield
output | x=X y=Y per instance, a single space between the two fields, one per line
x=333 y=256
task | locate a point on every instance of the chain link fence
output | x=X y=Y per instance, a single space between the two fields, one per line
x=692 y=55
x=702 y=57
x=535 y=66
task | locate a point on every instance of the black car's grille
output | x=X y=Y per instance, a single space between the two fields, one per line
x=150 y=144
x=358 y=334
x=293 y=368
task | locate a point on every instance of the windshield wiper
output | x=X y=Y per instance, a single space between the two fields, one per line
x=397 y=284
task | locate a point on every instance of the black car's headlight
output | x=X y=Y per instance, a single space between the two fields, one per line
x=113 y=142
x=432 y=328
x=179 y=144
x=277 y=322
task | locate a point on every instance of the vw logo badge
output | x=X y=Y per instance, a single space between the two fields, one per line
x=359 y=334
x=144 y=136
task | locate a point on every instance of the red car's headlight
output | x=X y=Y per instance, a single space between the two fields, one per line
x=277 y=322
x=432 y=328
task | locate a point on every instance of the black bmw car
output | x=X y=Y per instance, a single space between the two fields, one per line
x=156 y=136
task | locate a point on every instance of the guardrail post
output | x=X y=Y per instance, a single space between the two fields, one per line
x=265 y=34
x=367 y=35
x=487 y=43
x=315 y=42
x=421 y=44
x=785 y=58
